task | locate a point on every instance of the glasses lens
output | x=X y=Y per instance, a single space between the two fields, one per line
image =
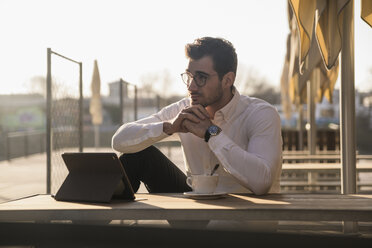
x=199 y=79
x=186 y=78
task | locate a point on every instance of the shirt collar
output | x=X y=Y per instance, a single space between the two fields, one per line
x=229 y=109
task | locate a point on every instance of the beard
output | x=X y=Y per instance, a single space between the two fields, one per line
x=207 y=99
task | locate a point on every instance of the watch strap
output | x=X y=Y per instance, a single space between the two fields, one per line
x=207 y=135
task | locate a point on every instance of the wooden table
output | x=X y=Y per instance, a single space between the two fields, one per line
x=305 y=207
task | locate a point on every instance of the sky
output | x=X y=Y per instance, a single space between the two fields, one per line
x=132 y=39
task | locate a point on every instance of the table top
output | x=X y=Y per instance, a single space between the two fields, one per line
x=179 y=207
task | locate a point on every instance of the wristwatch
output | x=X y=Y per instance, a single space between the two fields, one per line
x=211 y=131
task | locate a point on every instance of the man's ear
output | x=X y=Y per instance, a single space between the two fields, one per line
x=228 y=79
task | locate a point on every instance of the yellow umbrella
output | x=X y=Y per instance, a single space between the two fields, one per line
x=297 y=81
x=284 y=84
x=334 y=30
x=329 y=29
x=313 y=61
x=327 y=82
x=304 y=12
x=367 y=11
x=328 y=17
x=303 y=63
x=293 y=60
x=95 y=107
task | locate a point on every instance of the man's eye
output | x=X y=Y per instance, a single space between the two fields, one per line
x=201 y=77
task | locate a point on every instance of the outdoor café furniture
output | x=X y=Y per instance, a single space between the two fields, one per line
x=316 y=174
x=174 y=206
x=295 y=158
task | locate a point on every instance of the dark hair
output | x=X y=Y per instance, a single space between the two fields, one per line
x=221 y=51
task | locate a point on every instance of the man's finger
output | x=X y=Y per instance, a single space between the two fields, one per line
x=202 y=110
x=186 y=124
x=190 y=117
x=197 y=110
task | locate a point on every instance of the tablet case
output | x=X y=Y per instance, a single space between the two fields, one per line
x=94 y=177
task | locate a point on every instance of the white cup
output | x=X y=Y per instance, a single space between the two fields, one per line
x=203 y=184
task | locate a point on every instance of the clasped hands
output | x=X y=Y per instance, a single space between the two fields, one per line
x=194 y=119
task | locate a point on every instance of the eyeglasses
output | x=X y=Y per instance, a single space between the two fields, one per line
x=199 y=78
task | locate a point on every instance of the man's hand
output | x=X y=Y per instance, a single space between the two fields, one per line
x=197 y=129
x=200 y=127
x=194 y=114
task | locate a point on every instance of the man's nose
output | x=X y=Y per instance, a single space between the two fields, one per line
x=192 y=86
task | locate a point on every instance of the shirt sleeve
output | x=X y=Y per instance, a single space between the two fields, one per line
x=136 y=136
x=256 y=167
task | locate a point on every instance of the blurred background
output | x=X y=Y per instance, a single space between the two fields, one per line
x=139 y=50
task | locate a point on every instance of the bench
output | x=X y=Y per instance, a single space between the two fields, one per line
x=300 y=158
x=318 y=177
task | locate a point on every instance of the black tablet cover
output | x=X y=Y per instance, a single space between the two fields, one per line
x=94 y=177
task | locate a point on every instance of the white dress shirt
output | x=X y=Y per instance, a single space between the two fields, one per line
x=248 y=149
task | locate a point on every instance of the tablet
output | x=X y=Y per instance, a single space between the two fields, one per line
x=94 y=177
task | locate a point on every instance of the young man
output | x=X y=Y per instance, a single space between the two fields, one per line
x=215 y=124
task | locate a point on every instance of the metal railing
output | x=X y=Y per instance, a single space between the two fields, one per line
x=124 y=88
x=22 y=144
x=49 y=116
x=25 y=143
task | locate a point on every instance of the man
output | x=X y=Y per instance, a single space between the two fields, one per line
x=215 y=124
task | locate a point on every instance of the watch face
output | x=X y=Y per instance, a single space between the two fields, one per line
x=213 y=130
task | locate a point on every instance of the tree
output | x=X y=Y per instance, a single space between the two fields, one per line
x=156 y=83
x=255 y=85
x=38 y=85
x=148 y=81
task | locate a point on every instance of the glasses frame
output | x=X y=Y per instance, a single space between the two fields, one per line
x=200 y=82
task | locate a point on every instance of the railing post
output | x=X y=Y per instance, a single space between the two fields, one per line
x=121 y=101
x=135 y=103
x=157 y=102
x=49 y=121
x=347 y=101
x=7 y=147
x=311 y=92
x=81 y=109
x=300 y=128
x=347 y=111
x=26 y=144
x=41 y=137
